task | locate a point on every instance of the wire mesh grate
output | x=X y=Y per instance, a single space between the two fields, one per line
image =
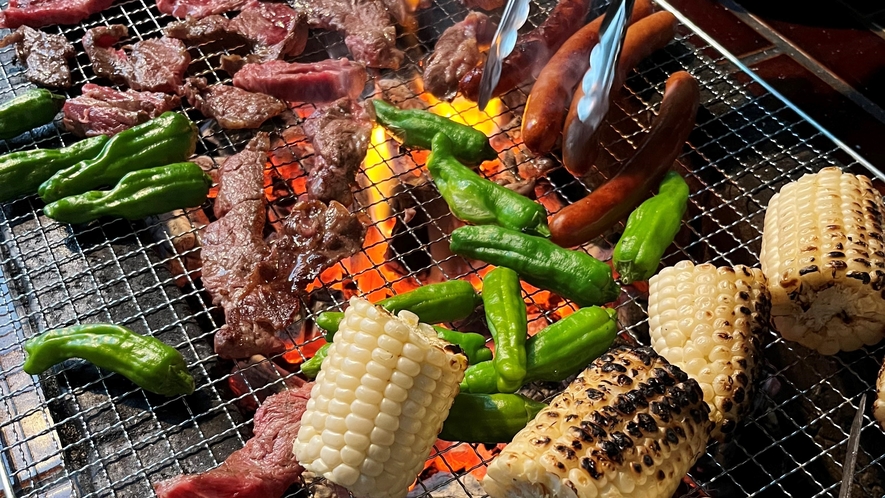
x=80 y=431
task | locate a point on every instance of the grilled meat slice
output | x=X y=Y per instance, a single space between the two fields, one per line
x=631 y=424
x=45 y=55
x=264 y=468
x=823 y=252
x=708 y=322
x=457 y=51
x=38 y=13
x=233 y=108
x=340 y=135
x=274 y=29
x=316 y=82
x=483 y=4
x=368 y=30
x=156 y=65
x=198 y=9
x=104 y=111
x=198 y=30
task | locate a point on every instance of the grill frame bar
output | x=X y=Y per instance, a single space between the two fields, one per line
x=747 y=117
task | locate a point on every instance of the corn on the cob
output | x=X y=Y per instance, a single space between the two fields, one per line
x=822 y=251
x=707 y=321
x=379 y=402
x=879 y=403
x=630 y=425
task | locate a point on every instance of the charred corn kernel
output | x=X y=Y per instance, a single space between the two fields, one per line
x=379 y=402
x=879 y=403
x=630 y=425
x=707 y=321
x=822 y=252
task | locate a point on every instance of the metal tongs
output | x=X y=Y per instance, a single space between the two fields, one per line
x=515 y=14
x=851 y=450
x=597 y=81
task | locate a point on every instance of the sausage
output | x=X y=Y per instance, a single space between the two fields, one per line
x=579 y=146
x=533 y=50
x=614 y=199
x=547 y=106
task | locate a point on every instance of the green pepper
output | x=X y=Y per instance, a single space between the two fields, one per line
x=476 y=200
x=140 y=193
x=507 y=319
x=488 y=418
x=650 y=230
x=473 y=345
x=167 y=139
x=557 y=352
x=28 y=111
x=434 y=303
x=22 y=172
x=416 y=128
x=573 y=275
x=311 y=367
x=144 y=360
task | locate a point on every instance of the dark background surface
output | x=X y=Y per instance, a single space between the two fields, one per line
x=827 y=57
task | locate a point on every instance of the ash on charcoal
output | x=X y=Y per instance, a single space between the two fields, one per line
x=446 y=485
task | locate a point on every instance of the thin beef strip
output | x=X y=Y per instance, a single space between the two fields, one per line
x=457 y=51
x=264 y=468
x=368 y=29
x=198 y=8
x=340 y=135
x=156 y=64
x=317 y=82
x=195 y=30
x=38 y=13
x=258 y=281
x=233 y=108
x=104 y=111
x=483 y=4
x=45 y=55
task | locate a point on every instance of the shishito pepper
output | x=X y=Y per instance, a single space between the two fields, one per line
x=167 y=139
x=416 y=128
x=22 y=172
x=476 y=200
x=557 y=352
x=507 y=318
x=433 y=303
x=488 y=418
x=28 y=111
x=650 y=230
x=572 y=274
x=146 y=361
x=140 y=193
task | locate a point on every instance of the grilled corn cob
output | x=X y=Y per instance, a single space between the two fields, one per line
x=822 y=251
x=879 y=403
x=630 y=425
x=707 y=321
x=379 y=401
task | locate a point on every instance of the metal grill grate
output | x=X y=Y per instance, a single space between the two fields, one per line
x=78 y=431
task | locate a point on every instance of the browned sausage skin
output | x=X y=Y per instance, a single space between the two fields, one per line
x=580 y=147
x=547 y=106
x=616 y=198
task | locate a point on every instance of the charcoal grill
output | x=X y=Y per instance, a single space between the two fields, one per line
x=79 y=431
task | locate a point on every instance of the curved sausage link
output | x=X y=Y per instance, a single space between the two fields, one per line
x=616 y=198
x=580 y=147
x=547 y=106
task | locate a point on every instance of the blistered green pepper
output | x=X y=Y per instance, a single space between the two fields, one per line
x=140 y=193
x=557 y=352
x=28 y=111
x=650 y=230
x=416 y=128
x=433 y=303
x=476 y=200
x=144 y=360
x=473 y=345
x=311 y=367
x=507 y=319
x=572 y=274
x=22 y=172
x=170 y=138
x=488 y=418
